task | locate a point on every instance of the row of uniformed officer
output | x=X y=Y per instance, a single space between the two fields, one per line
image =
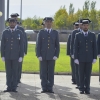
x=85 y=54
x=76 y=26
x=12 y=48
x=47 y=52
x=76 y=67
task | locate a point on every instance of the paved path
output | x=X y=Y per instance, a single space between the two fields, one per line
x=30 y=89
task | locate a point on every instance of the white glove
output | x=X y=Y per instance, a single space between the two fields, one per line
x=94 y=61
x=76 y=61
x=72 y=56
x=40 y=58
x=99 y=56
x=20 y=59
x=24 y=54
x=54 y=58
x=3 y=58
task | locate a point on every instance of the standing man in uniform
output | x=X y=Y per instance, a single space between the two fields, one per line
x=12 y=53
x=76 y=26
x=15 y=15
x=98 y=45
x=85 y=55
x=72 y=53
x=47 y=52
x=43 y=25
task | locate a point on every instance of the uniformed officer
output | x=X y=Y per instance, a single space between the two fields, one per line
x=43 y=25
x=12 y=53
x=85 y=55
x=15 y=15
x=47 y=52
x=72 y=53
x=76 y=26
x=98 y=45
x=80 y=25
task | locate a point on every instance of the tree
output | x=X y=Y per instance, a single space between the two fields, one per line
x=71 y=9
x=60 y=18
x=93 y=16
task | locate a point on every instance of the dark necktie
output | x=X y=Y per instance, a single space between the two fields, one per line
x=12 y=31
x=86 y=34
x=48 y=31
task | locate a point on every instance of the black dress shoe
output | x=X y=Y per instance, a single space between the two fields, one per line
x=19 y=82
x=87 y=92
x=73 y=83
x=81 y=92
x=50 y=91
x=44 y=91
x=7 y=91
x=14 y=91
x=77 y=87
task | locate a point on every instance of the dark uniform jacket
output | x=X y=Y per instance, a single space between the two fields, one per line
x=12 y=44
x=24 y=37
x=85 y=47
x=68 y=44
x=72 y=40
x=48 y=44
x=98 y=44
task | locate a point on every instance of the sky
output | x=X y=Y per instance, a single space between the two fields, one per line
x=43 y=8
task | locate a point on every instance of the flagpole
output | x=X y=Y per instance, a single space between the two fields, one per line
x=21 y=11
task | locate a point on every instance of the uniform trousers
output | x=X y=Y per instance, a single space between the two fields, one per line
x=11 y=67
x=47 y=74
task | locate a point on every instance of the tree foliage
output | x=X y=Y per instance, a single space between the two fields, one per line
x=64 y=19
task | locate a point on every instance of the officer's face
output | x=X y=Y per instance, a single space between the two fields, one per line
x=48 y=23
x=80 y=25
x=76 y=27
x=12 y=24
x=85 y=27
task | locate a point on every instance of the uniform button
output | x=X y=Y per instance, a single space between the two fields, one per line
x=12 y=38
x=11 y=41
x=11 y=48
x=48 y=44
x=48 y=37
x=48 y=40
x=11 y=44
x=48 y=47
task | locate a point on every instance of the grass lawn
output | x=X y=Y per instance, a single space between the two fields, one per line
x=31 y=63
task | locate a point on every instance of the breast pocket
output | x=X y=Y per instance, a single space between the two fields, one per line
x=91 y=42
x=18 y=36
x=7 y=38
x=53 y=40
x=43 y=39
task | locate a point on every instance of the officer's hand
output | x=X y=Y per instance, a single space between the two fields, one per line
x=20 y=59
x=3 y=58
x=40 y=58
x=76 y=61
x=54 y=58
x=94 y=61
x=72 y=56
x=24 y=54
x=99 y=56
